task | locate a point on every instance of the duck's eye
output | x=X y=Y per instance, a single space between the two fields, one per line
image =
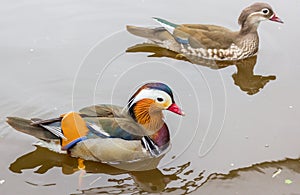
x=265 y=11
x=160 y=99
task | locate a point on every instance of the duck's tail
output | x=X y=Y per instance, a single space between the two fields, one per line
x=155 y=34
x=26 y=126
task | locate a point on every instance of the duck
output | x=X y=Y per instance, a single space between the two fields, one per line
x=211 y=41
x=109 y=133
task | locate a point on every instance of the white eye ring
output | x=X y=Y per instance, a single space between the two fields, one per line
x=265 y=11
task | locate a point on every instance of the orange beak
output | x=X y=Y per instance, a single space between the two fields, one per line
x=174 y=108
x=275 y=19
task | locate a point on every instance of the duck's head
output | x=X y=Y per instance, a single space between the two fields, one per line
x=257 y=12
x=148 y=102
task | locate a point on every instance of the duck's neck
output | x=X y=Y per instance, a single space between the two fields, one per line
x=248 y=39
x=147 y=115
x=248 y=27
x=151 y=119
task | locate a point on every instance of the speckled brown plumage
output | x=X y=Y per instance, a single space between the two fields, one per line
x=211 y=41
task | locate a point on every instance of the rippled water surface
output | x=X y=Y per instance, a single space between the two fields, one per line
x=240 y=134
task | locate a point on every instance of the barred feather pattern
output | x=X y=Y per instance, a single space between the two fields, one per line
x=248 y=48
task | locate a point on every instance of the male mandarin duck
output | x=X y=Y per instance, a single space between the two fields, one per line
x=109 y=133
x=211 y=41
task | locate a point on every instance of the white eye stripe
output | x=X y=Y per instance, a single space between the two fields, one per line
x=151 y=94
x=259 y=16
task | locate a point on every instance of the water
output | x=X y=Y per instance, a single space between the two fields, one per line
x=63 y=55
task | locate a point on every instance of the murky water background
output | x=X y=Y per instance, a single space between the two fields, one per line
x=59 y=56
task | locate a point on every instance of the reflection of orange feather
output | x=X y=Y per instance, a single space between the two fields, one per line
x=142 y=111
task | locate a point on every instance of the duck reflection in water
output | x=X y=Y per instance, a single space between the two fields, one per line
x=148 y=181
x=155 y=180
x=244 y=78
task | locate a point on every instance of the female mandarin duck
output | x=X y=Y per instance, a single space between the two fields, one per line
x=211 y=41
x=109 y=133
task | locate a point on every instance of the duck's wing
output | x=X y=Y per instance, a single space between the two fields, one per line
x=205 y=36
x=113 y=121
x=200 y=35
x=124 y=128
x=103 y=110
x=101 y=120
